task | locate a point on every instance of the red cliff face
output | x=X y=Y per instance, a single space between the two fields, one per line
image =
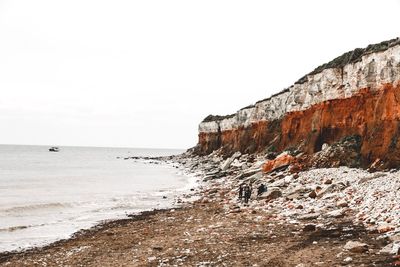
x=374 y=116
x=334 y=102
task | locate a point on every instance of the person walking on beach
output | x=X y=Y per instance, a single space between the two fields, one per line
x=247 y=194
x=240 y=192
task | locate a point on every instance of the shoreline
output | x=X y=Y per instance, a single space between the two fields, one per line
x=82 y=234
x=217 y=229
x=168 y=199
x=202 y=234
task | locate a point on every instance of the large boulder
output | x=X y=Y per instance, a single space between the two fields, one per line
x=282 y=160
x=227 y=163
x=356 y=247
x=271 y=194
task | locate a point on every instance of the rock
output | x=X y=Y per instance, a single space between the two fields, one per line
x=325 y=146
x=271 y=194
x=282 y=160
x=310 y=216
x=295 y=168
x=348 y=260
x=247 y=173
x=212 y=191
x=214 y=175
x=369 y=178
x=330 y=188
x=255 y=177
x=237 y=163
x=335 y=213
x=309 y=228
x=356 y=247
x=312 y=194
x=376 y=165
x=385 y=228
x=227 y=163
x=342 y=203
x=293 y=196
x=395 y=238
x=151 y=259
x=296 y=192
x=278 y=183
x=205 y=200
x=392 y=248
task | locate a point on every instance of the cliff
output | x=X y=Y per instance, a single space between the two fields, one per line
x=354 y=95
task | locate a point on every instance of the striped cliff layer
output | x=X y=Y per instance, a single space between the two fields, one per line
x=357 y=93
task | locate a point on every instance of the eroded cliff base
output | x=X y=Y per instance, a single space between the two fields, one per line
x=369 y=120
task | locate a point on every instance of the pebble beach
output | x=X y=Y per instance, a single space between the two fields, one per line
x=317 y=217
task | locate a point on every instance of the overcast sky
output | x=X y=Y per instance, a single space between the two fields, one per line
x=145 y=73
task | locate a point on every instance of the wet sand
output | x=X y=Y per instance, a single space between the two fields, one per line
x=204 y=234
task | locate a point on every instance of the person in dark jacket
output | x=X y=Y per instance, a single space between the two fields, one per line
x=240 y=192
x=247 y=194
x=261 y=189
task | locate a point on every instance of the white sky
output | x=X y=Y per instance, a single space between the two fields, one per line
x=145 y=73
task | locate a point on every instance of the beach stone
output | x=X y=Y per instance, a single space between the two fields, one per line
x=348 y=259
x=395 y=238
x=151 y=259
x=255 y=177
x=309 y=228
x=271 y=194
x=159 y=248
x=293 y=196
x=330 y=188
x=229 y=161
x=246 y=173
x=278 y=183
x=356 y=246
x=312 y=194
x=391 y=248
x=310 y=216
x=384 y=228
x=325 y=146
x=342 y=203
x=335 y=213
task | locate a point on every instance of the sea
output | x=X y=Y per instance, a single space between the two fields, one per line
x=47 y=196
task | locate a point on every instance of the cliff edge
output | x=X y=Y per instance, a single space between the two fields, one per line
x=353 y=100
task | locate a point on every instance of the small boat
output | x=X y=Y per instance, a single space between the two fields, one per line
x=54 y=149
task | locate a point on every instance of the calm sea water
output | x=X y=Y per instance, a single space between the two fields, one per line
x=46 y=196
